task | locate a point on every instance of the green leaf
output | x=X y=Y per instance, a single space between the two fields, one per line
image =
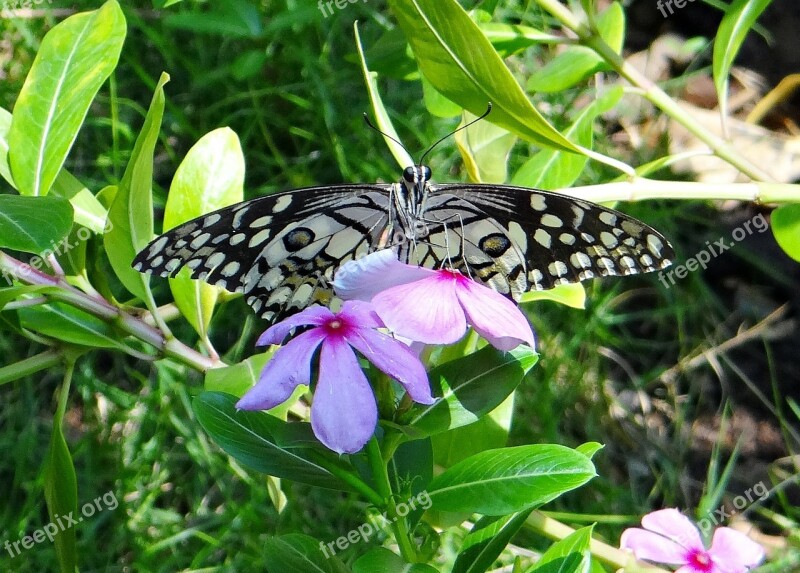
x=5 y=125
x=131 y=213
x=577 y=63
x=381 y=117
x=210 y=177
x=460 y=62
x=386 y=561
x=75 y=59
x=570 y=555
x=232 y=19
x=470 y=387
x=551 y=169
x=264 y=442
x=297 y=553
x=487 y=540
x=64 y=322
x=33 y=224
x=572 y=295
x=509 y=39
x=786 y=228
x=739 y=18
x=61 y=486
x=508 y=480
x=485 y=148
x=236 y=379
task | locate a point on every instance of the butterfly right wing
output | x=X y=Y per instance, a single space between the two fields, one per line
x=280 y=250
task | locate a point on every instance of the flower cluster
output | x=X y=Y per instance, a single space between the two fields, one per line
x=421 y=305
x=669 y=537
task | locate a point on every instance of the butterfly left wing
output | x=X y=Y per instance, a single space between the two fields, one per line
x=517 y=239
x=280 y=250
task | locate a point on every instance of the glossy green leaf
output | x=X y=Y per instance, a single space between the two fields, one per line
x=33 y=224
x=298 y=553
x=386 y=561
x=485 y=147
x=61 y=488
x=509 y=39
x=410 y=471
x=384 y=123
x=5 y=125
x=570 y=555
x=551 y=169
x=486 y=541
x=470 y=387
x=64 y=322
x=130 y=216
x=739 y=18
x=236 y=379
x=436 y=103
x=74 y=60
x=577 y=63
x=508 y=480
x=786 y=228
x=264 y=442
x=572 y=295
x=460 y=62
x=210 y=177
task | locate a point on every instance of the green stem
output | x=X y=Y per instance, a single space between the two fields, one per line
x=399 y=525
x=652 y=92
x=32 y=365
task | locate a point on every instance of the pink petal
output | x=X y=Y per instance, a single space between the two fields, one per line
x=312 y=316
x=289 y=367
x=362 y=279
x=426 y=310
x=493 y=316
x=734 y=552
x=652 y=546
x=673 y=524
x=395 y=359
x=344 y=413
x=360 y=314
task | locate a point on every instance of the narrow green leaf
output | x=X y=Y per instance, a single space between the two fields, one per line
x=570 y=555
x=487 y=540
x=64 y=322
x=470 y=387
x=737 y=22
x=551 y=169
x=75 y=59
x=786 y=228
x=61 y=484
x=210 y=177
x=381 y=116
x=5 y=126
x=485 y=147
x=507 y=480
x=130 y=216
x=298 y=553
x=460 y=62
x=33 y=224
x=264 y=442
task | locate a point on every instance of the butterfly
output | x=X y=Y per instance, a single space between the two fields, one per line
x=281 y=251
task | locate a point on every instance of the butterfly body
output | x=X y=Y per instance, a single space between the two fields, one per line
x=282 y=250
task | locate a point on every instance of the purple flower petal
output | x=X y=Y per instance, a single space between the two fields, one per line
x=734 y=552
x=652 y=546
x=360 y=314
x=395 y=359
x=289 y=367
x=362 y=279
x=314 y=315
x=344 y=413
x=426 y=311
x=493 y=316
x=672 y=524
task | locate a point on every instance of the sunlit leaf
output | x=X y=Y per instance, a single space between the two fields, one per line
x=33 y=224
x=786 y=228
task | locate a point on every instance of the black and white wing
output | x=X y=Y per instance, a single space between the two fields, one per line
x=280 y=250
x=517 y=239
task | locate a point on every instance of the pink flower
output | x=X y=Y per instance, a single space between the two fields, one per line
x=670 y=537
x=432 y=306
x=344 y=413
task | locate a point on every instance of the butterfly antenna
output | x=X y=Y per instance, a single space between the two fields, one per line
x=452 y=133
x=383 y=133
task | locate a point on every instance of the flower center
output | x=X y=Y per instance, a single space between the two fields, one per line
x=700 y=561
x=335 y=327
